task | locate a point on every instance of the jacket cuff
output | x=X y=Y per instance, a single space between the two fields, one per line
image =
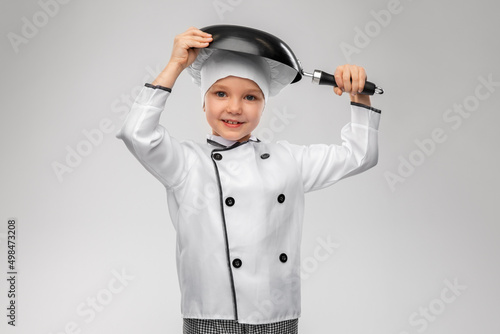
x=158 y=87
x=365 y=106
x=365 y=115
x=154 y=96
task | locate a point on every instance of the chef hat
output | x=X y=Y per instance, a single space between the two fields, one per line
x=212 y=65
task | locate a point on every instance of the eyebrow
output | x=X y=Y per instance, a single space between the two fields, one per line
x=224 y=87
x=255 y=90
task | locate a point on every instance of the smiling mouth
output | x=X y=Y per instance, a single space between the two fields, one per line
x=231 y=122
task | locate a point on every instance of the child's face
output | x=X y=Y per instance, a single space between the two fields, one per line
x=234 y=99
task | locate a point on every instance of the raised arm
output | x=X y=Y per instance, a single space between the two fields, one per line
x=146 y=139
x=322 y=165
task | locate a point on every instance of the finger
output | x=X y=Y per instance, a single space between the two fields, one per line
x=195 y=42
x=338 y=77
x=337 y=91
x=206 y=34
x=346 y=76
x=202 y=38
x=193 y=31
x=362 y=79
x=193 y=35
x=354 y=79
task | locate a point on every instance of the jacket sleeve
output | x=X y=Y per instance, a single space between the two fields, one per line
x=162 y=155
x=322 y=165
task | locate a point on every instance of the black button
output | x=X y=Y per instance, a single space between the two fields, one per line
x=283 y=257
x=281 y=198
x=217 y=156
x=265 y=156
x=229 y=201
x=237 y=263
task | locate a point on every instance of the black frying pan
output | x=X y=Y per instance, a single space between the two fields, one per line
x=260 y=43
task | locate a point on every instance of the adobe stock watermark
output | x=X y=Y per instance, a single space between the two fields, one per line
x=421 y=319
x=372 y=29
x=95 y=304
x=322 y=252
x=280 y=119
x=223 y=6
x=210 y=192
x=454 y=118
x=90 y=139
x=31 y=27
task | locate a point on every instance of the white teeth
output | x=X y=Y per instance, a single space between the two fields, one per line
x=231 y=122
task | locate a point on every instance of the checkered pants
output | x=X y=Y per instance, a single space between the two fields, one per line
x=209 y=326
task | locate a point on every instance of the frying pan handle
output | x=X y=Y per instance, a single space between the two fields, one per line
x=323 y=78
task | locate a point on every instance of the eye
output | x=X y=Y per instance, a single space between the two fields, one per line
x=220 y=94
x=250 y=98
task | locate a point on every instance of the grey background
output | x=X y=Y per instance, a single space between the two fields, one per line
x=396 y=247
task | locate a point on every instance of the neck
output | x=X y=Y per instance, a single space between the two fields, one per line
x=242 y=139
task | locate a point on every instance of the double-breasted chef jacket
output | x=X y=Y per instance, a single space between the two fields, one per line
x=238 y=210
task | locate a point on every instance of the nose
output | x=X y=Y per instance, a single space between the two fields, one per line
x=234 y=106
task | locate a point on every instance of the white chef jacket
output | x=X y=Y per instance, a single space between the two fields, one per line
x=238 y=210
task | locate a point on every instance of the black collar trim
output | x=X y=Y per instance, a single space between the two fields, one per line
x=213 y=142
x=223 y=147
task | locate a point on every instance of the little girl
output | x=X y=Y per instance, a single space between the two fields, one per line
x=237 y=203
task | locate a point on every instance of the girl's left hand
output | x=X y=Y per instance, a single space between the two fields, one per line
x=351 y=79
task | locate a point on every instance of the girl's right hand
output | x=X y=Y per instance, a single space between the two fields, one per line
x=187 y=46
